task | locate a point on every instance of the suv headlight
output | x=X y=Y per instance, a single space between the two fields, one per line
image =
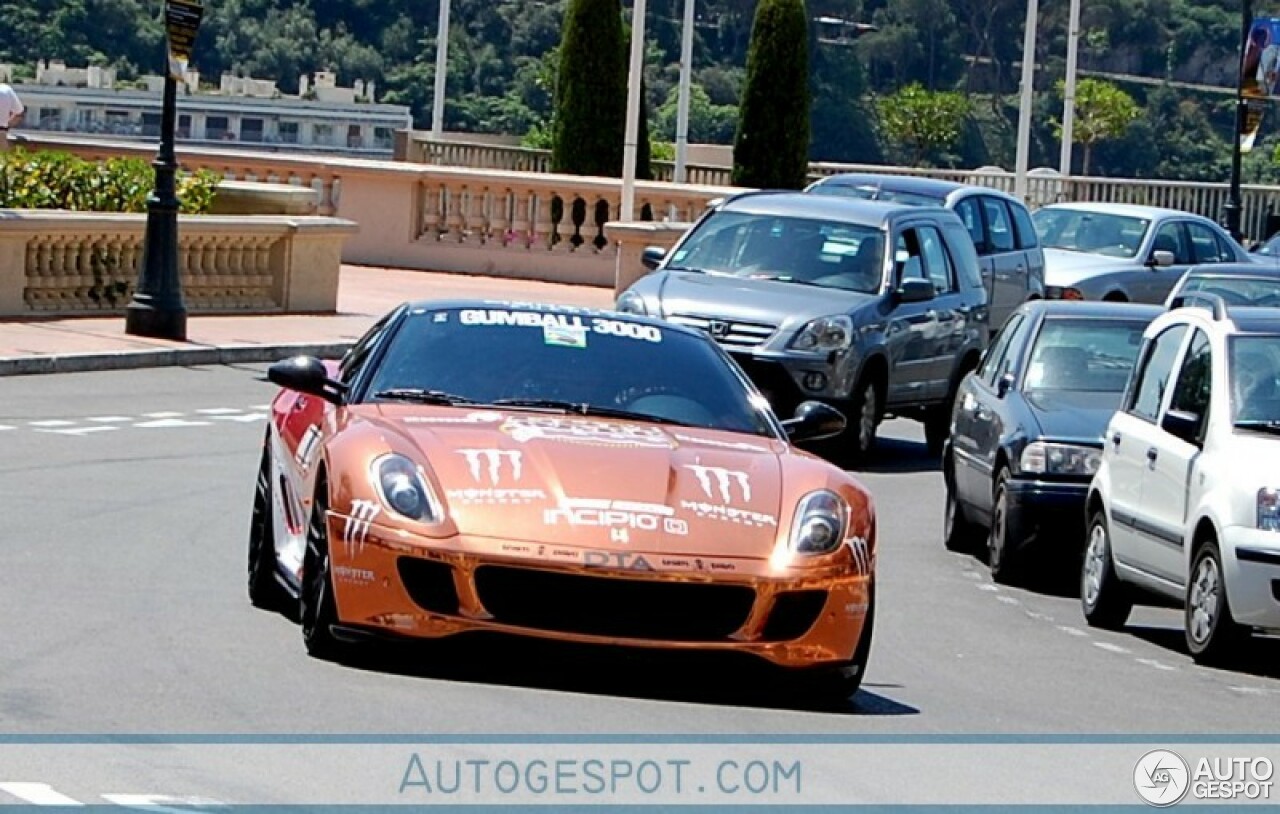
x=1042 y=458
x=820 y=523
x=403 y=488
x=1269 y=509
x=631 y=303
x=825 y=334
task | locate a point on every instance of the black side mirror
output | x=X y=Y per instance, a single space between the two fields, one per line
x=915 y=290
x=814 y=421
x=652 y=257
x=1181 y=424
x=307 y=374
x=1004 y=385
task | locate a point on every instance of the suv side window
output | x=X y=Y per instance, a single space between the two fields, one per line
x=998 y=224
x=1191 y=393
x=937 y=263
x=1027 y=237
x=1206 y=246
x=992 y=362
x=971 y=217
x=1154 y=372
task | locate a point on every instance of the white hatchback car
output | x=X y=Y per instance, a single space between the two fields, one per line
x=1186 y=500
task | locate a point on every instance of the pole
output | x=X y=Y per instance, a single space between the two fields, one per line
x=1024 y=107
x=1232 y=209
x=157 y=309
x=442 y=71
x=682 y=103
x=634 y=75
x=1069 y=89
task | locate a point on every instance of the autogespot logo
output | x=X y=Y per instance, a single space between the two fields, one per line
x=1162 y=777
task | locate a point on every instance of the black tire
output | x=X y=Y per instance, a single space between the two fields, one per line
x=265 y=590
x=864 y=419
x=937 y=427
x=958 y=533
x=1213 y=635
x=317 y=611
x=1105 y=600
x=1004 y=535
x=840 y=683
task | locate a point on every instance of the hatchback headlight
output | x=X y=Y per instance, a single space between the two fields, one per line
x=403 y=488
x=1269 y=509
x=825 y=334
x=631 y=303
x=1042 y=458
x=820 y=523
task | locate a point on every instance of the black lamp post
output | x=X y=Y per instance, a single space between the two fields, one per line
x=1234 y=207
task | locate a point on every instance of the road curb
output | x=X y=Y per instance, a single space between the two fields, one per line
x=167 y=357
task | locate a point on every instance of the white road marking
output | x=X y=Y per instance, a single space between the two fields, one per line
x=78 y=431
x=160 y=802
x=40 y=794
x=168 y=414
x=1249 y=690
x=219 y=410
x=243 y=418
x=1111 y=648
x=4 y=427
x=1074 y=631
x=53 y=422
x=1159 y=665
x=1008 y=600
x=166 y=423
x=986 y=586
x=260 y=407
x=1043 y=617
x=110 y=419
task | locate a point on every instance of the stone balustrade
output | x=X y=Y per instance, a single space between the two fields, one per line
x=69 y=263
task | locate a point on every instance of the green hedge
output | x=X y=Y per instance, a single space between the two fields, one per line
x=57 y=180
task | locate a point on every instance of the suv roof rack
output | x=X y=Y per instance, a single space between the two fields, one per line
x=1204 y=300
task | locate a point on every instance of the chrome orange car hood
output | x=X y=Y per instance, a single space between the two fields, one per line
x=599 y=483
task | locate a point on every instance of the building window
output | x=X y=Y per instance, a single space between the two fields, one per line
x=49 y=118
x=215 y=128
x=184 y=125
x=355 y=138
x=383 y=138
x=251 y=129
x=151 y=125
x=288 y=132
x=322 y=134
x=118 y=123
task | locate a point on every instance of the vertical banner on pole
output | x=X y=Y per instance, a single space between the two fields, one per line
x=1259 y=76
x=181 y=24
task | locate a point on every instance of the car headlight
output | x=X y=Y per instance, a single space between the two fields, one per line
x=631 y=303
x=1269 y=509
x=1042 y=458
x=402 y=487
x=825 y=334
x=820 y=523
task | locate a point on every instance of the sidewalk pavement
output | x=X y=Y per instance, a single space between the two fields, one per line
x=42 y=345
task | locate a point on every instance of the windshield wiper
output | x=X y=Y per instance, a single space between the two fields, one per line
x=419 y=395
x=1270 y=427
x=583 y=408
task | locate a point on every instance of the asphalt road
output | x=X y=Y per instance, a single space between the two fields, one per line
x=122 y=610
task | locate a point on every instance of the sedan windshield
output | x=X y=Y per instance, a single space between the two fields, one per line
x=822 y=253
x=1254 y=366
x=567 y=361
x=1084 y=355
x=1080 y=230
x=1250 y=291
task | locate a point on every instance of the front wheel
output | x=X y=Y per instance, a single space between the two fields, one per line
x=318 y=612
x=958 y=534
x=1005 y=534
x=264 y=590
x=1105 y=600
x=840 y=683
x=1213 y=635
x=866 y=419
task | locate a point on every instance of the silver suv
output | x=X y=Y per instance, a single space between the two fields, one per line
x=999 y=224
x=876 y=308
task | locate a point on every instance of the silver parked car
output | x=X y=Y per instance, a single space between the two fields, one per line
x=875 y=308
x=1008 y=247
x=1251 y=284
x=1124 y=252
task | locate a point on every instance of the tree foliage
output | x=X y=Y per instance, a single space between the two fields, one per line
x=591 y=91
x=771 y=148
x=1102 y=111
x=926 y=123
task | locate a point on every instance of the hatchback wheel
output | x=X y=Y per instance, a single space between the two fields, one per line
x=1213 y=635
x=1106 y=600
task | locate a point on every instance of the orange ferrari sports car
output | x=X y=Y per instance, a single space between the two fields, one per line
x=563 y=473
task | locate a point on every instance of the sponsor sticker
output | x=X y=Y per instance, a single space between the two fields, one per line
x=564 y=337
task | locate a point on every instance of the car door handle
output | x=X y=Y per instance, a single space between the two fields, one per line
x=1152 y=454
x=1115 y=440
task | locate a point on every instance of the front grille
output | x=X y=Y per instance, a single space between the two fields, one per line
x=727 y=331
x=602 y=606
x=794 y=612
x=429 y=584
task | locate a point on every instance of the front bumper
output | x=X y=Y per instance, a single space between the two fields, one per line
x=785 y=379
x=1049 y=510
x=1251 y=560
x=435 y=588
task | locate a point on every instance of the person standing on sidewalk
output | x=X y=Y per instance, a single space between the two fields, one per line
x=11 y=111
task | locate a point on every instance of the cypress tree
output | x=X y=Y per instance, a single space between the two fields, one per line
x=591 y=91
x=771 y=147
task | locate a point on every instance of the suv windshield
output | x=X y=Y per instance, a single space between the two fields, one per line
x=830 y=254
x=577 y=362
x=1080 y=230
x=1086 y=355
x=1254 y=366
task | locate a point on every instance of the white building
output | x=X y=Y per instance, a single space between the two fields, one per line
x=244 y=111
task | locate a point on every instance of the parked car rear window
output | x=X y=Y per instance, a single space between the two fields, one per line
x=1088 y=355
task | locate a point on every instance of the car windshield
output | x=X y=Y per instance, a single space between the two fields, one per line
x=1250 y=291
x=566 y=359
x=876 y=192
x=1253 y=363
x=1084 y=355
x=1080 y=230
x=829 y=254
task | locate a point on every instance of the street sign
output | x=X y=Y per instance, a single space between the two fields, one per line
x=181 y=24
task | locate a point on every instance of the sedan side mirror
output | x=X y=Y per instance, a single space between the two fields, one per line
x=1182 y=424
x=1160 y=258
x=307 y=374
x=814 y=421
x=652 y=257
x=915 y=290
